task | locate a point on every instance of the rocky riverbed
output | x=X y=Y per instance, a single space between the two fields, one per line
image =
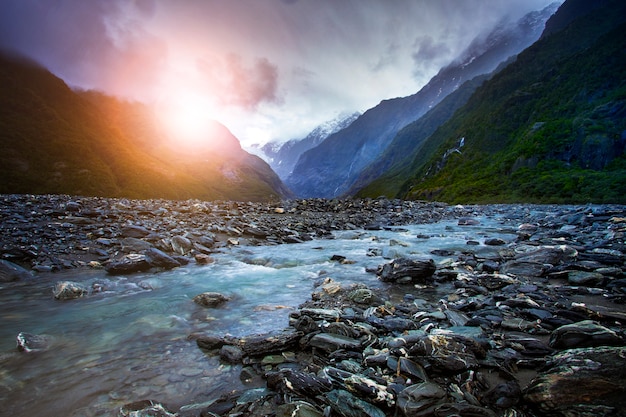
x=534 y=327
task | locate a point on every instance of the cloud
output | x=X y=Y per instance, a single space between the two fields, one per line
x=428 y=52
x=233 y=83
x=275 y=59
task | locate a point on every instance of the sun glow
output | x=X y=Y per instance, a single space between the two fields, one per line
x=188 y=117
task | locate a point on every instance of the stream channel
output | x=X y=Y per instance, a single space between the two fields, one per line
x=130 y=340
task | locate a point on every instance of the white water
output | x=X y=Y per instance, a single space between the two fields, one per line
x=130 y=342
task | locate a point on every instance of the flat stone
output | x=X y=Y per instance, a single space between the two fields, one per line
x=581 y=382
x=584 y=334
x=331 y=342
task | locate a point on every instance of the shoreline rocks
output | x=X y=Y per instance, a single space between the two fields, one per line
x=496 y=328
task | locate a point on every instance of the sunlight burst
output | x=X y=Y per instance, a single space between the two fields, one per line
x=188 y=117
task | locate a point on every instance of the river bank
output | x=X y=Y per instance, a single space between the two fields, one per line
x=492 y=325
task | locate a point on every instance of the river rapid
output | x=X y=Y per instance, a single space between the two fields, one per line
x=132 y=338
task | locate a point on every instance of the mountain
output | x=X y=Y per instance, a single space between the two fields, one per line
x=550 y=127
x=56 y=140
x=387 y=174
x=282 y=157
x=331 y=168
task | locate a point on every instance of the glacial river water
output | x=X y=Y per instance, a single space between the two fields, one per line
x=131 y=341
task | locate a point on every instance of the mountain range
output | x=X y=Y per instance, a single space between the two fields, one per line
x=283 y=156
x=550 y=127
x=535 y=111
x=332 y=168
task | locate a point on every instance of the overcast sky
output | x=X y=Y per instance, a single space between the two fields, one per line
x=268 y=69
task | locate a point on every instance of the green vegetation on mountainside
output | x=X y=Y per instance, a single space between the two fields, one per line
x=550 y=127
x=55 y=140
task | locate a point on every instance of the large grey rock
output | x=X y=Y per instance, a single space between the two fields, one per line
x=421 y=399
x=210 y=299
x=68 y=290
x=405 y=270
x=581 y=382
x=160 y=259
x=331 y=342
x=128 y=264
x=584 y=334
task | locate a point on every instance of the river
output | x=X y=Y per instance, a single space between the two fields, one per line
x=131 y=341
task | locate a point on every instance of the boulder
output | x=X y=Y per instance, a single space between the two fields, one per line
x=584 y=334
x=581 y=382
x=331 y=342
x=160 y=259
x=68 y=290
x=405 y=270
x=421 y=399
x=347 y=405
x=210 y=299
x=128 y=264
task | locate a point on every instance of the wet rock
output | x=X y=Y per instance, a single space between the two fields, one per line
x=210 y=299
x=444 y=353
x=159 y=259
x=27 y=342
x=145 y=408
x=581 y=382
x=347 y=405
x=12 y=272
x=231 y=354
x=332 y=342
x=404 y=270
x=589 y=279
x=298 y=409
x=260 y=345
x=302 y=383
x=128 y=264
x=495 y=241
x=584 y=334
x=68 y=290
x=468 y=221
x=421 y=399
x=361 y=386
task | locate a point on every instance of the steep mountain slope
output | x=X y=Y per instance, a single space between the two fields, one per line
x=387 y=174
x=331 y=168
x=282 y=157
x=550 y=127
x=54 y=140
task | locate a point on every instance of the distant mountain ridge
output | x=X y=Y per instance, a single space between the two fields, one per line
x=331 y=168
x=282 y=157
x=56 y=140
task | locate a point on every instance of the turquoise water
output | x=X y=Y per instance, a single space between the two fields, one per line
x=131 y=341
